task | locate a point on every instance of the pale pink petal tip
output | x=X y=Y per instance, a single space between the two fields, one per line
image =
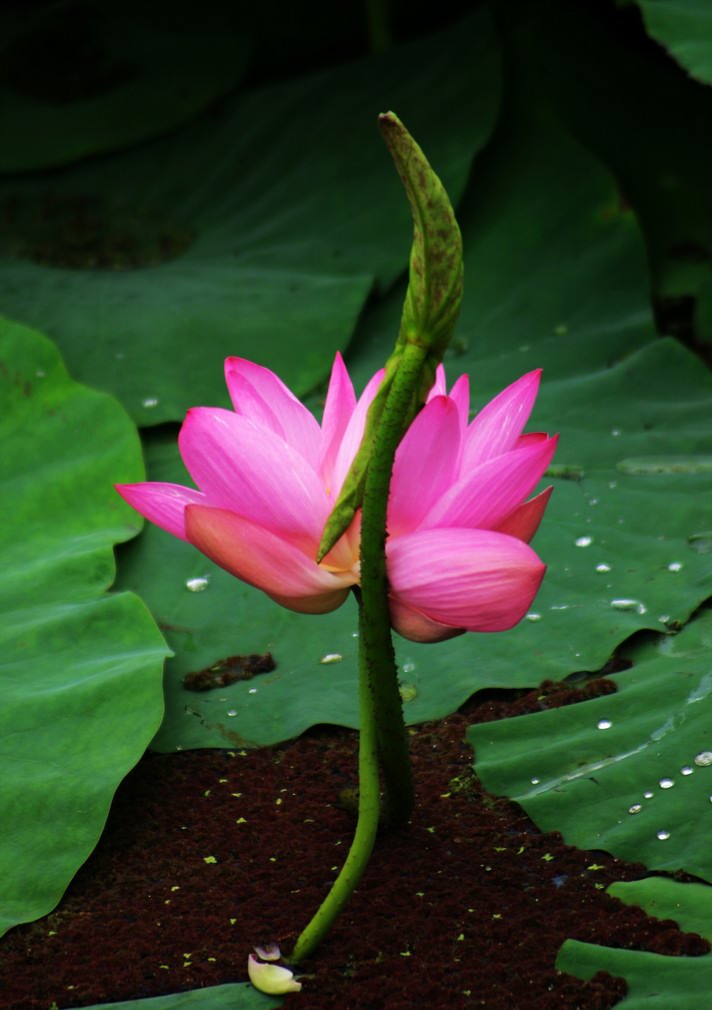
x=272 y=979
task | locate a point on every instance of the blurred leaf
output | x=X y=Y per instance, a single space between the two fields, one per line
x=638 y=112
x=684 y=27
x=81 y=77
x=263 y=225
x=218 y=997
x=81 y=670
x=555 y=277
x=655 y=982
x=631 y=772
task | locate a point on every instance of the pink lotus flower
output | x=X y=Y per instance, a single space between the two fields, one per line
x=458 y=521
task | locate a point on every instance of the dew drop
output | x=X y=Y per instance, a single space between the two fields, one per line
x=675 y=566
x=666 y=783
x=686 y=770
x=149 y=402
x=40 y=373
x=626 y=604
x=604 y=723
x=584 y=541
x=615 y=432
x=663 y=835
x=704 y=759
x=231 y=712
x=253 y=690
x=648 y=795
x=560 y=606
x=635 y=809
x=533 y=617
x=664 y=618
x=197 y=585
x=330 y=658
x=535 y=781
x=603 y=567
x=593 y=501
x=612 y=484
x=408 y=666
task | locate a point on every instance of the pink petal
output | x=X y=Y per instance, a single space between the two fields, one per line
x=163 y=504
x=254 y=473
x=498 y=425
x=417 y=627
x=486 y=496
x=471 y=579
x=257 y=393
x=339 y=406
x=460 y=393
x=353 y=434
x=439 y=387
x=524 y=521
x=265 y=560
x=425 y=464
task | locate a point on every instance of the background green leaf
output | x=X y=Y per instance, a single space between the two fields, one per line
x=81 y=670
x=684 y=28
x=655 y=982
x=260 y=229
x=619 y=95
x=80 y=78
x=631 y=772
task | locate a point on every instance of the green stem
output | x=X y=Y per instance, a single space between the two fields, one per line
x=375 y=624
x=366 y=826
x=382 y=730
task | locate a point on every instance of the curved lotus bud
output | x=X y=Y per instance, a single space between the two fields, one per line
x=271 y=978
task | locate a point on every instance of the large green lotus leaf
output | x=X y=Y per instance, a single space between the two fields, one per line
x=81 y=670
x=259 y=229
x=655 y=982
x=554 y=282
x=684 y=27
x=87 y=76
x=631 y=772
x=217 y=997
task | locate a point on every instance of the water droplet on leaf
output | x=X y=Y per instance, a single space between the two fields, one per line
x=666 y=783
x=584 y=541
x=330 y=658
x=197 y=585
x=704 y=759
x=604 y=723
x=663 y=835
